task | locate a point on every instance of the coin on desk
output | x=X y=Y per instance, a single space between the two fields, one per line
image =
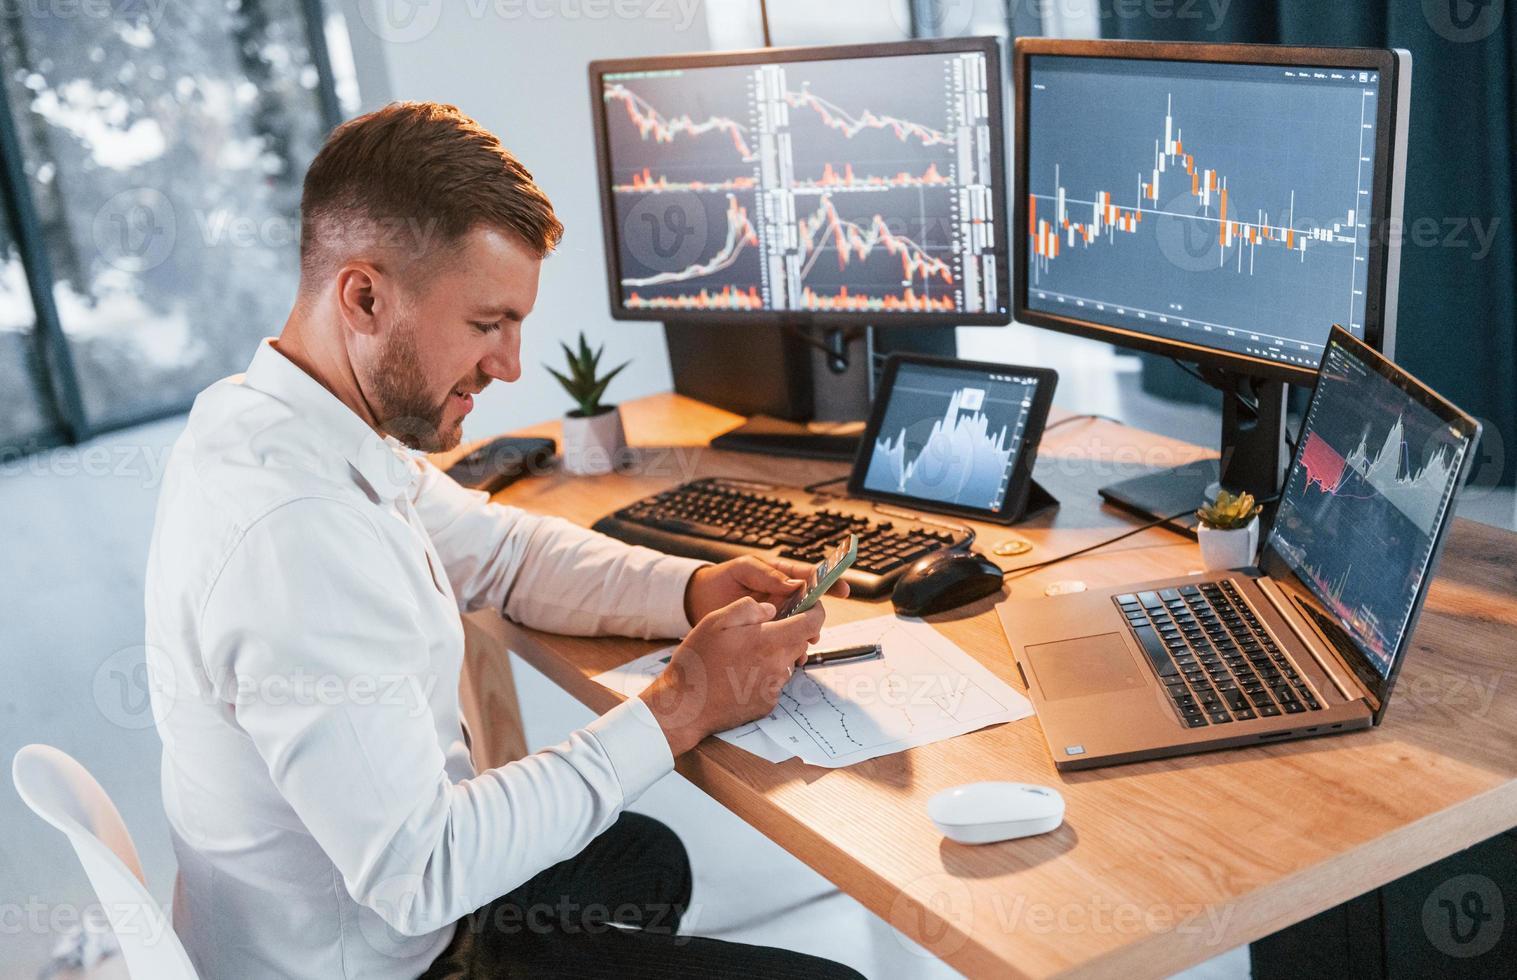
x=1012 y=547
x=1067 y=586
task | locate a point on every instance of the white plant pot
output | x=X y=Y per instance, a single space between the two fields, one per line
x=1233 y=548
x=593 y=446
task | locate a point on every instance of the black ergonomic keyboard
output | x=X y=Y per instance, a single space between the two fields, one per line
x=1214 y=656
x=717 y=519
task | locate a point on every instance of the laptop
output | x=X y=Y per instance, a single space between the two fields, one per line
x=1307 y=643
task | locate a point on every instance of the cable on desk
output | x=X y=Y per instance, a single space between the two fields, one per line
x=1017 y=572
x=816 y=487
x=1092 y=416
x=1012 y=573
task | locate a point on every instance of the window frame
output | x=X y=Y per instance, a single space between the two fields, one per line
x=59 y=380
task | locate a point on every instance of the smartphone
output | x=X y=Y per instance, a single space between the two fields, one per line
x=828 y=571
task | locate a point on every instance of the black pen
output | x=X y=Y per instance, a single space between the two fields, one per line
x=846 y=655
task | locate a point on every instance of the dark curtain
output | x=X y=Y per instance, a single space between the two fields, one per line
x=1457 y=322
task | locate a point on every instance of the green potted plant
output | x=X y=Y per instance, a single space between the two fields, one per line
x=1229 y=531
x=593 y=434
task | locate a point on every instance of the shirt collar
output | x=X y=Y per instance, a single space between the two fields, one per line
x=382 y=461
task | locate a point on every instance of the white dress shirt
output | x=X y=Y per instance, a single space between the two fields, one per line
x=303 y=596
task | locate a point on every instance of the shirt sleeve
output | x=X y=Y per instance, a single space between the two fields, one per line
x=547 y=573
x=309 y=632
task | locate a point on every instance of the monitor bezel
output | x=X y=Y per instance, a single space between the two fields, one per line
x=1015 y=502
x=1273 y=564
x=988 y=46
x=1382 y=61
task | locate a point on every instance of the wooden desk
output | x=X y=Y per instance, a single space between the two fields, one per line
x=1159 y=865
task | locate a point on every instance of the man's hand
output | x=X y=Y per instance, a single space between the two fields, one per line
x=729 y=670
x=763 y=580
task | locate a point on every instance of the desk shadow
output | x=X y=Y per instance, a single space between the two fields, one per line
x=1006 y=857
x=969 y=611
x=894 y=770
x=1236 y=756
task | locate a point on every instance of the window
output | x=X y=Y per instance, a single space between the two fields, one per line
x=162 y=148
x=25 y=404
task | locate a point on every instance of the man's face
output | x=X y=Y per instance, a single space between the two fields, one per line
x=460 y=330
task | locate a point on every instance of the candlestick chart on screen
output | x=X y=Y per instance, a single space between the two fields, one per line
x=1221 y=204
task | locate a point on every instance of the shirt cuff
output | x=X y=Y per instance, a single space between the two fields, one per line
x=636 y=746
x=670 y=579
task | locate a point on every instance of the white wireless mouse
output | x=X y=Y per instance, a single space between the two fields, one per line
x=983 y=813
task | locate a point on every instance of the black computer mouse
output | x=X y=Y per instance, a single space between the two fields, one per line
x=945 y=580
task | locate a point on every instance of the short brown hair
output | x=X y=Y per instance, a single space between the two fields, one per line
x=417 y=175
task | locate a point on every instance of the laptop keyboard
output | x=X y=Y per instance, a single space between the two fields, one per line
x=1216 y=659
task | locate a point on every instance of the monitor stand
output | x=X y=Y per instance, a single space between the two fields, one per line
x=805 y=440
x=840 y=396
x=1253 y=458
x=825 y=392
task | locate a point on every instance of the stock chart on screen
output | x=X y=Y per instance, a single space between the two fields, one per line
x=1359 y=517
x=951 y=435
x=1226 y=205
x=854 y=185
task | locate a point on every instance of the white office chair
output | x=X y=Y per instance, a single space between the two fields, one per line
x=62 y=792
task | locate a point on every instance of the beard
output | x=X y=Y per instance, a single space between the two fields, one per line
x=400 y=398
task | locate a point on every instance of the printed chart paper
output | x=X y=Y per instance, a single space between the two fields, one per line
x=630 y=679
x=924 y=689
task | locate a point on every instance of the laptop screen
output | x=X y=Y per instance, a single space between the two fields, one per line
x=1366 y=501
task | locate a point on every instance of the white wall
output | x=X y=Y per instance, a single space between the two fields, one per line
x=518 y=67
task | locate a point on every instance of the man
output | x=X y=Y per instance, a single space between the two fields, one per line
x=303 y=596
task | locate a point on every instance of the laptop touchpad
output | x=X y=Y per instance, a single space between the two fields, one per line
x=1089 y=665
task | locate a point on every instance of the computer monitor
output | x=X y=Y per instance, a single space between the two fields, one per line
x=830 y=187
x=1224 y=205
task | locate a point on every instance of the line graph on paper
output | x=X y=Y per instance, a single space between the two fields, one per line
x=922 y=690
x=631 y=679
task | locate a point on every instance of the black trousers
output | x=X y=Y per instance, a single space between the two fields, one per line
x=610 y=911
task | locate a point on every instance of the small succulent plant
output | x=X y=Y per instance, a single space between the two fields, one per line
x=582 y=383
x=1229 y=512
